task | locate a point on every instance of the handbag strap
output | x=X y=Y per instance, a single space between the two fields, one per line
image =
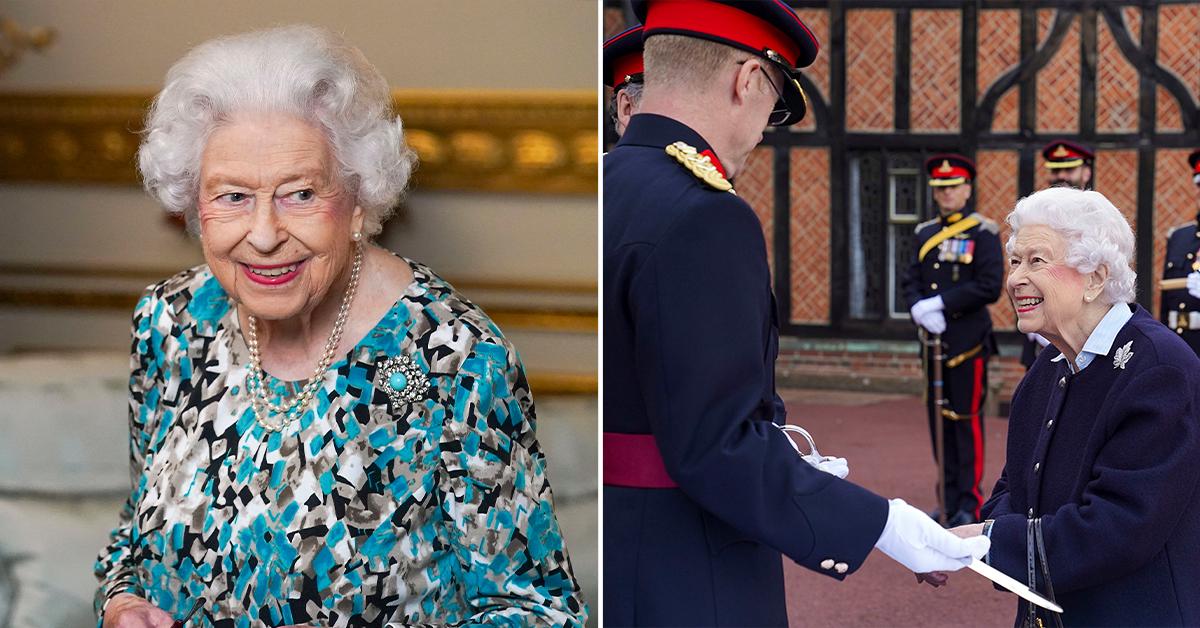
x=1031 y=618
x=1041 y=549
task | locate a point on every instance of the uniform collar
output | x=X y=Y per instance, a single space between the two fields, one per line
x=653 y=130
x=956 y=216
x=1101 y=340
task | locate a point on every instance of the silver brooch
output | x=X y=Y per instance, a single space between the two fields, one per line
x=403 y=380
x=1122 y=356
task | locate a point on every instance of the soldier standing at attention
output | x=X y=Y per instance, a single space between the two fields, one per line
x=703 y=491
x=623 y=69
x=1180 y=307
x=958 y=272
x=1069 y=164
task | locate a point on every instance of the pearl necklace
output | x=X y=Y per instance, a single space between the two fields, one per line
x=293 y=409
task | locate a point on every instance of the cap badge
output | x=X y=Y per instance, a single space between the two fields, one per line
x=700 y=166
x=1061 y=151
x=945 y=167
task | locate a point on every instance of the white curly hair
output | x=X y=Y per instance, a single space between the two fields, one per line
x=1096 y=233
x=301 y=70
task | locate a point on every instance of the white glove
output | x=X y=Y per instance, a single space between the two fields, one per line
x=914 y=540
x=1193 y=283
x=1036 y=337
x=928 y=314
x=829 y=464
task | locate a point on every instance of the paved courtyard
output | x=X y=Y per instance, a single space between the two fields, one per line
x=886 y=440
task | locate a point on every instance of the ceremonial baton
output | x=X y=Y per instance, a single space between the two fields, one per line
x=1012 y=584
x=1179 y=283
x=934 y=343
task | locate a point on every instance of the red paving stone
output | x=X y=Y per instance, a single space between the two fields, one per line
x=886 y=440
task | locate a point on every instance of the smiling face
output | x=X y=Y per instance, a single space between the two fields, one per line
x=1047 y=294
x=275 y=220
x=951 y=198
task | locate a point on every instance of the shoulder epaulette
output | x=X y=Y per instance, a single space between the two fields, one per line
x=700 y=166
x=1178 y=227
x=927 y=223
x=988 y=224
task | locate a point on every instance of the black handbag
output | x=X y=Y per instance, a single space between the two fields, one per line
x=1035 y=552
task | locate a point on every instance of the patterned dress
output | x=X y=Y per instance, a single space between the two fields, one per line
x=412 y=491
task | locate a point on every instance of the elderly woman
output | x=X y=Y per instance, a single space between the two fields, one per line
x=322 y=432
x=1099 y=486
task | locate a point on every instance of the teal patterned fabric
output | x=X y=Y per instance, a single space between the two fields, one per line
x=369 y=510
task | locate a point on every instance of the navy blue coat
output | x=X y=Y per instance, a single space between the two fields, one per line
x=1182 y=245
x=967 y=284
x=690 y=340
x=1109 y=458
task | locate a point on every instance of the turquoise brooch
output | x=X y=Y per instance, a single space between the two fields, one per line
x=403 y=380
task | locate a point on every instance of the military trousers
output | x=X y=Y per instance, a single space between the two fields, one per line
x=965 y=391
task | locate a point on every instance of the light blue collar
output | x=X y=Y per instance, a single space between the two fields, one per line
x=1101 y=340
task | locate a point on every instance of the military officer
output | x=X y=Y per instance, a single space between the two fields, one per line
x=703 y=491
x=623 y=69
x=1068 y=164
x=1180 y=305
x=957 y=273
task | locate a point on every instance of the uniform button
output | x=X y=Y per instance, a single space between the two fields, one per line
x=1062 y=383
x=1179 y=330
x=934 y=286
x=1191 y=255
x=936 y=265
x=1037 y=466
x=1031 y=513
x=1181 y=306
x=827 y=563
x=1050 y=424
x=841 y=567
x=1169 y=265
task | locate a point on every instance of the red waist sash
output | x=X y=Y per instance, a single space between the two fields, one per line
x=633 y=461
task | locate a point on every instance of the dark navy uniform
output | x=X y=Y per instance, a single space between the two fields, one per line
x=690 y=341
x=1178 y=309
x=967 y=269
x=1106 y=458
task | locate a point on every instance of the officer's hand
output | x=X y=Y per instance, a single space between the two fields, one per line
x=928 y=314
x=829 y=464
x=933 y=322
x=934 y=579
x=1193 y=284
x=1038 y=338
x=914 y=540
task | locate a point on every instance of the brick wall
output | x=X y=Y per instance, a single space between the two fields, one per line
x=881 y=366
x=872 y=44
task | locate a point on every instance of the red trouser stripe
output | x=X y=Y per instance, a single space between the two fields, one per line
x=977 y=433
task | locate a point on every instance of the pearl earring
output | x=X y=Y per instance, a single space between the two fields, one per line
x=356 y=236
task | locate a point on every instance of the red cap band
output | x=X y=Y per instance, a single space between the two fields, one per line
x=952 y=173
x=626 y=66
x=720 y=21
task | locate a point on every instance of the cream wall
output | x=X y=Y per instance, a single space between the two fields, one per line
x=127 y=45
x=478 y=44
